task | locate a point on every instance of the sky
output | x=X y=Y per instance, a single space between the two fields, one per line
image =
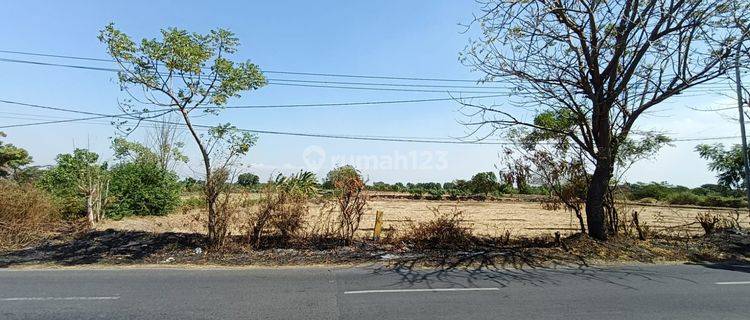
x=384 y=38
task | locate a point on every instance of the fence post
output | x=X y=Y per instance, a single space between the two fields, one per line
x=378 y=225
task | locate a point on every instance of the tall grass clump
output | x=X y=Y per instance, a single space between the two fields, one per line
x=447 y=230
x=27 y=214
x=282 y=207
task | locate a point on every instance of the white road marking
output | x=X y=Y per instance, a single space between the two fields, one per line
x=57 y=298
x=735 y=282
x=421 y=290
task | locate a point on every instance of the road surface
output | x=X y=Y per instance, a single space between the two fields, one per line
x=633 y=292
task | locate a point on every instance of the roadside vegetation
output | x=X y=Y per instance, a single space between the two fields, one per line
x=568 y=157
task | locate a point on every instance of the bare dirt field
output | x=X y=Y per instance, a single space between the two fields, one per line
x=493 y=218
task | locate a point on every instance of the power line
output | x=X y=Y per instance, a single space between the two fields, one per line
x=377 y=89
x=358 y=103
x=323 y=84
x=51 y=122
x=698 y=88
x=271 y=132
x=359 y=76
x=346 y=86
x=385 y=84
x=439 y=140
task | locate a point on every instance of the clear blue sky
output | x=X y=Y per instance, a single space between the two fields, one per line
x=404 y=38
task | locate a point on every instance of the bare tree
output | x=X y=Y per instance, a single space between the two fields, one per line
x=589 y=69
x=166 y=141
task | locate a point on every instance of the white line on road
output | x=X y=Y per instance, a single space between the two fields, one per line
x=57 y=298
x=421 y=290
x=735 y=282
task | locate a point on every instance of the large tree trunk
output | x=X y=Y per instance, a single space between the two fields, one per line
x=595 y=199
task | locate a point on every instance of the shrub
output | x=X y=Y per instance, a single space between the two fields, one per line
x=27 y=214
x=446 y=230
x=478 y=197
x=718 y=201
x=455 y=194
x=143 y=188
x=416 y=193
x=191 y=203
x=648 y=200
x=435 y=194
x=684 y=197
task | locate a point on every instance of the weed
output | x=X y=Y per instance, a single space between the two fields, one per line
x=27 y=214
x=447 y=230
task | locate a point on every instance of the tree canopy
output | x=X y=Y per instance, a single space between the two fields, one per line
x=180 y=73
x=726 y=162
x=588 y=70
x=12 y=158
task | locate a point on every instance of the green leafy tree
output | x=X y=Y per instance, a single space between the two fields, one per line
x=726 y=162
x=182 y=73
x=484 y=182
x=248 y=179
x=12 y=158
x=79 y=184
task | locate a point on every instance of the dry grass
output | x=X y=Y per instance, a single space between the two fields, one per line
x=446 y=230
x=27 y=215
x=491 y=218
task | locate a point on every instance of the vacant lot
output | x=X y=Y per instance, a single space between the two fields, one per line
x=521 y=218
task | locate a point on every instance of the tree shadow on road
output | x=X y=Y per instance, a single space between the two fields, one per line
x=511 y=267
x=737 y=266
x=109 y=246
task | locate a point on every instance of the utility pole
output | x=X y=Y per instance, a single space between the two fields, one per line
x=740 y=105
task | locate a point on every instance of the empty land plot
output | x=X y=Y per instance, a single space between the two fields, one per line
x=491 y=218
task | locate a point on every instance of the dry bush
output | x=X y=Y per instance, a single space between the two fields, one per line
x=282 y=207
x=226 y=213
x=27 y=215
x=714 y=222
x=630 y=224
x=351 y=197
x=708 y=222
x=447 y=230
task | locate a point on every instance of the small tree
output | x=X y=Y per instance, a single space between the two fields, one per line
x=79 y=184
x=351 y=197
x=248 y=179
x=184 y=72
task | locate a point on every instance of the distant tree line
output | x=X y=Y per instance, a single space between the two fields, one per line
x=480 y=186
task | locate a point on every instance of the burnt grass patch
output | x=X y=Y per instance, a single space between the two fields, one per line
x=113 y=247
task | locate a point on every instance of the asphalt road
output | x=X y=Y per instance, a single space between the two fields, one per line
x=634 y=292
